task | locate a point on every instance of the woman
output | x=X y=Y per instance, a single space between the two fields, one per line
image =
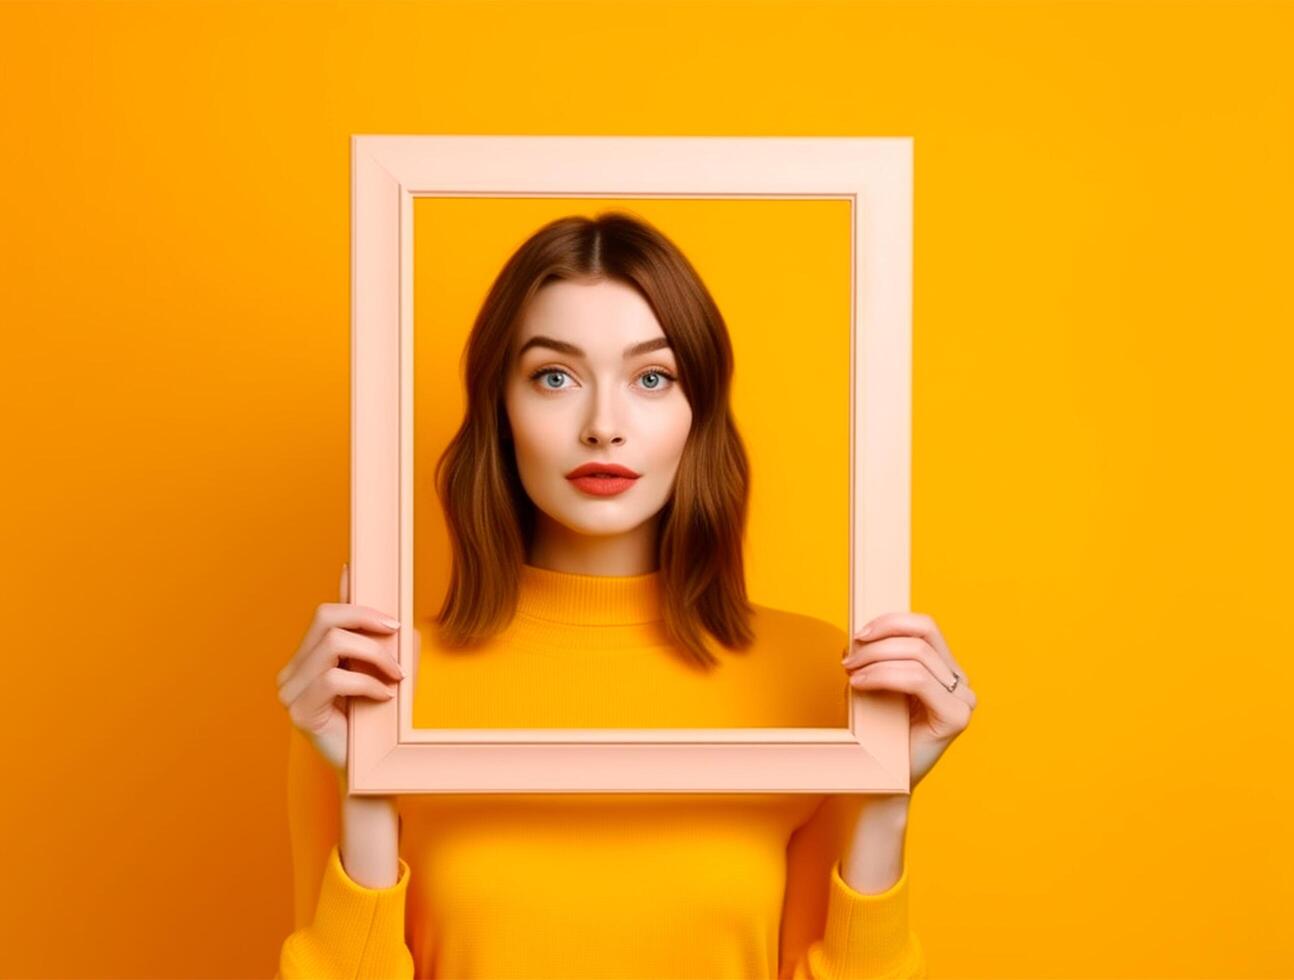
x=613 y=600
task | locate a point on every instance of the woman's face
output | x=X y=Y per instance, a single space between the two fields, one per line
x=574 y=396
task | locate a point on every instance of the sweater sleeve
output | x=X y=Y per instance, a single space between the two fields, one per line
x=829 y=930
x=356 y=931
x=341 y=928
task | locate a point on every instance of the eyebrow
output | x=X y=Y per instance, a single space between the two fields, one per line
x=656 y=343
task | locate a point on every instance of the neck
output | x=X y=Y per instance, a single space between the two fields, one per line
x=559 y=549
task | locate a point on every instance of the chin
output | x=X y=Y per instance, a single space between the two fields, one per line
x=596 y=517
x=617 y=524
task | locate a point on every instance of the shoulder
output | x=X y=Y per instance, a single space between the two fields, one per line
x=810 y=636
x=804 y=652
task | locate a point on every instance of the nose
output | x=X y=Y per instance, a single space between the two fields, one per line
x=599 y=437
x=601 y=429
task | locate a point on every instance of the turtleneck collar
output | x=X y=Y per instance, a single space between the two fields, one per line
x=589 y=600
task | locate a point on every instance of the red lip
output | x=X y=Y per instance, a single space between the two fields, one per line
x=601 y=469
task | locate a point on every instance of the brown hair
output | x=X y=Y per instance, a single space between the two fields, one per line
x=490 y=516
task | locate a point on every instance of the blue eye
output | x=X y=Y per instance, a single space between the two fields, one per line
x=658 y=372
x=540 y=374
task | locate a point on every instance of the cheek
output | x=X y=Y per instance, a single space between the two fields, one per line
x=671 y=437
x=534 y=445
x=534 y=432
x=681 y=428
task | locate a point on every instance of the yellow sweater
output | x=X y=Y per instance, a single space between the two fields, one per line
x=592 y=885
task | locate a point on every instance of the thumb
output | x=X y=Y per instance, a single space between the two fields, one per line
x=344 y=585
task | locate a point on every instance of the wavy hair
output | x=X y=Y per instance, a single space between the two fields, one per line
x=490 y=516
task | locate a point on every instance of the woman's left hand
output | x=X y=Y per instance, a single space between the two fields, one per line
x=904 y=651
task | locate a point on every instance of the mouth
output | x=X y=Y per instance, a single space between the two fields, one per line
x=602 y=470
x=602 y=479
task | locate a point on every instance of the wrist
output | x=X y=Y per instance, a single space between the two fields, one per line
x=886 y=809
x=872 y=861
x=364 y=803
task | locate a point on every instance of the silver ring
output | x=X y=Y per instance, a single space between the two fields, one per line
x=956 y=679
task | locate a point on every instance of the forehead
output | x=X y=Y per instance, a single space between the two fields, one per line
x=599 y=316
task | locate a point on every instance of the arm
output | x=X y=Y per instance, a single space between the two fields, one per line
x=342 y=928
x=846 y=911
x=873 y=857
x=866 y=931
x=370 y=838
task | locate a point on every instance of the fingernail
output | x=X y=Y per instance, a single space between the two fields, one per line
x=864 y=631
x=393 y=623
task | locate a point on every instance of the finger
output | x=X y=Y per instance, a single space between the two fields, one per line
x=910 y=624
x=335 y=615
x=902 y=648
x=331 y=684
x=334 y=645
x=948 y=714
x=349 y=649
x=343 y=615
x=331 y=615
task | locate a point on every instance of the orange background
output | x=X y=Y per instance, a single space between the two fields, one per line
x=780 y=272
x=1101 y=426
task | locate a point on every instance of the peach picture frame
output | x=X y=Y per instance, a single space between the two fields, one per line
x=386 y=754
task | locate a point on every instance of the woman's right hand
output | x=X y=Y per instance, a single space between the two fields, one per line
x=325 y=670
